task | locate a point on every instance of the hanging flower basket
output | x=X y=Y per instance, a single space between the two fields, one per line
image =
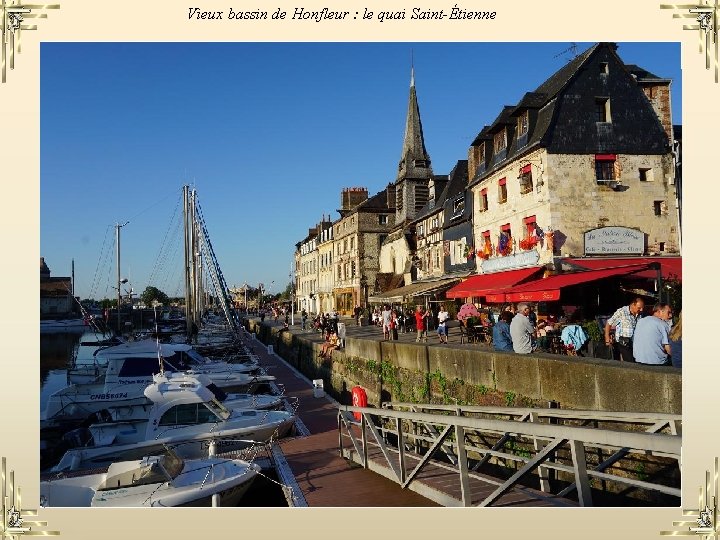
x=528 y=243
x=469 y=252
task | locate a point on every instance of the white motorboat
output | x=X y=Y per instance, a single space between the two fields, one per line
x=164 y=480
x=93 y=356
x=185 y=415
x=129 y=369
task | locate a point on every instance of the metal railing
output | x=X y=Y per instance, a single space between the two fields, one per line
x=547 y=442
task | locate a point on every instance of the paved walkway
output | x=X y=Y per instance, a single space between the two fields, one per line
x=375 y=333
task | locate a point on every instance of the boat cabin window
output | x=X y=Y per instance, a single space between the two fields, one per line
x=142 y=367
x=218 y=408
x=217 y=392
x=188 y=414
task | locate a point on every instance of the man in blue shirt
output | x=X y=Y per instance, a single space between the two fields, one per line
x=501 y=333
x=651 y=343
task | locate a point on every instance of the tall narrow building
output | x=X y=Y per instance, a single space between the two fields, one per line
x=414 y=170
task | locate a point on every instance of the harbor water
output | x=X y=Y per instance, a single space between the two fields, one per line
x=57 y=351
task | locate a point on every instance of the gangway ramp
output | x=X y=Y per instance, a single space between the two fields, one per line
x=452 y=454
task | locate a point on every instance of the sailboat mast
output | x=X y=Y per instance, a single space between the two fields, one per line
x=188 y=248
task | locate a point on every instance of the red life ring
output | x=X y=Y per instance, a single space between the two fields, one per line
x=359 y=399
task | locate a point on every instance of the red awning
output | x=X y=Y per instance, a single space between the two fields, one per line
x=482 y=284
x=670 y=266
x=548 y=289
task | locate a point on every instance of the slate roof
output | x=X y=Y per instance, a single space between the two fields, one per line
x=543 y=105
x=376 y=203
x=455 y=183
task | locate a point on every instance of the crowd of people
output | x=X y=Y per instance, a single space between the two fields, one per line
x=631 y=337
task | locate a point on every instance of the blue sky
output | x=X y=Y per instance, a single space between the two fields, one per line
x=268 y=134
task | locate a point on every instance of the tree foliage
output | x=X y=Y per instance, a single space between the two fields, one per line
x=153 y=294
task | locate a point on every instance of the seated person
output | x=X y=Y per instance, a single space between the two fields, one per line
x=501 y=333
x=329 y=346
x=574 y=337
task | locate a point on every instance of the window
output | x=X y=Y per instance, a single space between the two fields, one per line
x=435 y=223
x=502 y=190
x=437 y=258
x=604 y=69
x=522 y=124
x=352 y=269
x=483 y=206
x=352 y=243
x=526 y=183
x=646 y=175
x=530 y=226
x=500 y=141
x=421 y=230
x=605 y=167
x=382 y=219
x=660 y=208
x=602 y=110
x=479 y=153
x=486 y=244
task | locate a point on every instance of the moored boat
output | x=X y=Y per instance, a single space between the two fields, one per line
x=185 y=415
x=164 y=480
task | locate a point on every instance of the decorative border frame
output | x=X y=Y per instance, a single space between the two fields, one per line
x=706 y=15
x=13 y=523
x=705 y=517
x=12 y=15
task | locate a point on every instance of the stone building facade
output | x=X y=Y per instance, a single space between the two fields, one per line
x=588 y=149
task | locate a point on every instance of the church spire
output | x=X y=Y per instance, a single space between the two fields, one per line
x=414 y=161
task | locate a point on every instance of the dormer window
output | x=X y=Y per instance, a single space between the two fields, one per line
x=602 y=110
x=458 y=207
x=522 y=124
x=421 y=163
x=500 y=141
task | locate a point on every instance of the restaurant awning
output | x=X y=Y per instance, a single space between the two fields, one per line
x=670 y=266
x=548 y=289
x=481 y=284
x=414 y=289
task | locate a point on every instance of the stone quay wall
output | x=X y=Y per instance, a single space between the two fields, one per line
x=394 y=371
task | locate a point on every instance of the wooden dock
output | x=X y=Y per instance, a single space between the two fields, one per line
x=321 y=474
x=325 y=478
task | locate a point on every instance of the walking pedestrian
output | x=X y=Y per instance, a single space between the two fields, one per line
x=623 y=322
x=303 y=317
x=420 y=324
x=443 y=317
x=385 y=319
x=358 y=311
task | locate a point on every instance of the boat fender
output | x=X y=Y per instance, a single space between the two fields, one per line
x=359 y=399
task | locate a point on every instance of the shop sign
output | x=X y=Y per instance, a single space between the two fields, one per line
x=510 y=262
x=614 y=241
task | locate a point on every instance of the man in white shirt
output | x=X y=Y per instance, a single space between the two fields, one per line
x=522 y=330
x=443 y=317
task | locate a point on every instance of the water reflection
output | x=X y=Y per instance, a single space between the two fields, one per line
x=56 y=354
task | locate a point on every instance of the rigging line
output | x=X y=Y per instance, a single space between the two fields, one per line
x=96 y=277
x=170 y=262
x=153 y=205
x=164 y=243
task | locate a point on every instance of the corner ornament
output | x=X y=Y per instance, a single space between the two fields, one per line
x=705 y=14
x=14 y=521
x=12 y=16
x=703 y=521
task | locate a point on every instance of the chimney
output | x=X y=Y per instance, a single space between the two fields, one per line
x=390 y=190
x=352 y=196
